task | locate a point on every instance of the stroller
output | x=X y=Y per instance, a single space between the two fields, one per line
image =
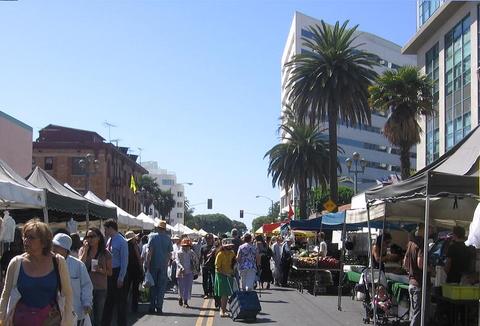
x=381 y=302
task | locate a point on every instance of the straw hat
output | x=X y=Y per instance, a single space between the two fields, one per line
x=186 y=242
x=227 y=242
x=129 y=235
x=175 y=237
x=161 y=224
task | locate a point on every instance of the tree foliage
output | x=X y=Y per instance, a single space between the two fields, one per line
x=302 y=157
x=164 y=203
x=215 y=223
x=405 y=94
x=329 y=82
x=318 y=196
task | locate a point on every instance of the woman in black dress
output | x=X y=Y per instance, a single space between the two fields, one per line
x=264 y=270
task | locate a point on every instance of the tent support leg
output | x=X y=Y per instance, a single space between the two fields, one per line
x=45 y=215
x=342 y=260
x=425 y=260
x=371 y=264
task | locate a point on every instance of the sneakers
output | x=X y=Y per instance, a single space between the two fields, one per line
x=206 y=296
x=180 y=302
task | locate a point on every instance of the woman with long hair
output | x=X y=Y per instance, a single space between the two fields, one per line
x=99 y=265
x=37 y=289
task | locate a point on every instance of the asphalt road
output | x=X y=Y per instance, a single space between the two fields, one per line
x=280 y=306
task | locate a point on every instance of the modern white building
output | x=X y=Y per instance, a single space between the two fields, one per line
x=446 y=45
x=381 y=158
x=167 y=181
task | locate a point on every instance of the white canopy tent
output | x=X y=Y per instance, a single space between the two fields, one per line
x=148 y=221
x=183 y=229
x=202 y=232
x=18 y=193
x=123 y=217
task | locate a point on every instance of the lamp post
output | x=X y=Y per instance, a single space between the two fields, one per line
x=260 y=196
x=355 y=165
x=89 y=164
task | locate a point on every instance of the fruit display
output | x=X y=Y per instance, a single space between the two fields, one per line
x=323 y=262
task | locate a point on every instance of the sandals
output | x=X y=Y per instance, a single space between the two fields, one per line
x=224 y=315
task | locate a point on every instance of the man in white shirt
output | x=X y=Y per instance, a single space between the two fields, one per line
x=322 y=247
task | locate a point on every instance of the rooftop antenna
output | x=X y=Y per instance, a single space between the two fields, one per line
x=109 y=126
x=140 y=154
x=115 y=141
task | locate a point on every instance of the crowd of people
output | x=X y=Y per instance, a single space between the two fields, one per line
x=60 y=279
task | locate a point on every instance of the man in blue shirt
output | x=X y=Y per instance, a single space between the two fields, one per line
x=159 y=253
x=116 y=292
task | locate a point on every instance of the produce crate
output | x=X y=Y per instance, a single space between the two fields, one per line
x=458 y=292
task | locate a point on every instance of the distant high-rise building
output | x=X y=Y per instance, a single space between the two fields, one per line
x=446 y=44
x=381 y=157
x=167 y=181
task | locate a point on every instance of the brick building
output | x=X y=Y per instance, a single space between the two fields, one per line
x=60 y=151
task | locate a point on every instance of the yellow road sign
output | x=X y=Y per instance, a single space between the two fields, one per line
x=330 y=205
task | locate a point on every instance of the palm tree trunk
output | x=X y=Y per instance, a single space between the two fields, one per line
x=302 y=188
x=332 y=140
x=405 y=160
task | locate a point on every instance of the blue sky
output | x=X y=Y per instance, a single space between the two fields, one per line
x=196 y=84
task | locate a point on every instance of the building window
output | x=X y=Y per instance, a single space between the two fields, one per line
x=77 y=168
x=179 y=215
x=457 y=83
x=432 y=128
x=179 y=194
x=179 y=204
x=167 y=182
x=48 y=163
x=426 y=8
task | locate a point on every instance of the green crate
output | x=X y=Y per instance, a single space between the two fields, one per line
x=458 y=292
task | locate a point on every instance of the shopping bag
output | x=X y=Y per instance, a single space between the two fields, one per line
x=148 y=280
x=144 y=294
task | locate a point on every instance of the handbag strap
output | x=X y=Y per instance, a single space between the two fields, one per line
x=57 y=272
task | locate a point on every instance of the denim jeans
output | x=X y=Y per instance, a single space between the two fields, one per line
x=208 y=276
x=116 y=298
x=99 y=297
x=157 y=292
x=415 y=294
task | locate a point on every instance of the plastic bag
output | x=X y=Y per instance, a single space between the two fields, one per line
x=148 y=280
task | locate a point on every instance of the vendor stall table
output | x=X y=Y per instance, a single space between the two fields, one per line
x=304 y=280
x=461 y=308
x=353 y=276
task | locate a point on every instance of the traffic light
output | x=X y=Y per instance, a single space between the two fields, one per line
x=241 y=213
x=209 y=203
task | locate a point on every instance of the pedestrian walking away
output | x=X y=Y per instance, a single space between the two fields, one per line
x=247 y=260
x=159 y=254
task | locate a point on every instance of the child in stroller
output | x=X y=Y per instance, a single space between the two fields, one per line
x=381 y=302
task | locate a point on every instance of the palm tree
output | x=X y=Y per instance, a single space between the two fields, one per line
x=164 y=202
x=330 y=82
x=405 y=94
x=301 y=158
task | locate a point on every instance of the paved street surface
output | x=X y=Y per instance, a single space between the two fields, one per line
x=280 y=306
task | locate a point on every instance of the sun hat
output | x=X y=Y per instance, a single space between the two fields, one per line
x=227 y=242
x=175 y=237
x=62 y=240
x=186 y=242
x=161 y=224
x=129 y=235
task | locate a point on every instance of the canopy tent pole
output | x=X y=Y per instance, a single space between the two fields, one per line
x=45 y=209
x=425 y=259
x=371 y=263
x=342 y=260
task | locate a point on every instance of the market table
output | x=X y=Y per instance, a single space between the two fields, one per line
x=353 y=276
x=458 y=305
x=302 y=282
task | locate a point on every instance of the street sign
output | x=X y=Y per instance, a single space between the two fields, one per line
x=330 y=205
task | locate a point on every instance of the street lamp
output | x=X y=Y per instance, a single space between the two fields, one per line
x=260 y=196
x=89 y=164
x=355 y=165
